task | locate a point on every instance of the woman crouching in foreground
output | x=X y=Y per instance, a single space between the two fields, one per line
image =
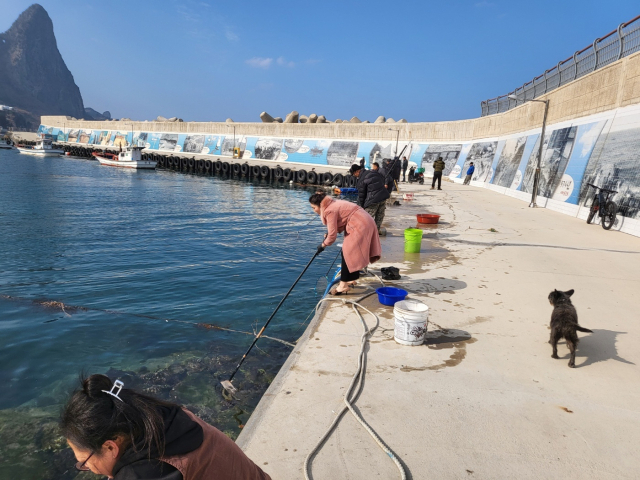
x=361 y=244
x=117 y=432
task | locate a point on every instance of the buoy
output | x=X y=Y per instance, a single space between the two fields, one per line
x=411 y=318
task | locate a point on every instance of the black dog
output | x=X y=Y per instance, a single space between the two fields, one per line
x=564 y=323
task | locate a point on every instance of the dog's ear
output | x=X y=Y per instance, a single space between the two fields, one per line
x=570 y=292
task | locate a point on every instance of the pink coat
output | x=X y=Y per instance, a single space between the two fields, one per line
x=361 y=244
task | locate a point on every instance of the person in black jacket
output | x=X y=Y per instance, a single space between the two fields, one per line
x=405 y=164
x=387 y=173
x=372 y=192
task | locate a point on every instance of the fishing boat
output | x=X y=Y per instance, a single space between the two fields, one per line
x=130 y=157
x=42 y=148
x=6 y=145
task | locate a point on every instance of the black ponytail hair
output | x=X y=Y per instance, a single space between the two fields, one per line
x=316 y=198
x=91 y=417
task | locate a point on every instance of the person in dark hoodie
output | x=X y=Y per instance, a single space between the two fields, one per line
x=372 y=194
x=125 y=435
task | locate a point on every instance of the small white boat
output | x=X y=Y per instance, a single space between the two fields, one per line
x=131 y=157
x=6 y=145
x=43 y=148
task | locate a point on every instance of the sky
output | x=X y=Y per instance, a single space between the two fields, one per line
x=205 y=60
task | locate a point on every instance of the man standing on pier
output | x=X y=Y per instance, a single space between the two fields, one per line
x=405 y=164
x=438 y=167
x=470 y=171
x=372 y=194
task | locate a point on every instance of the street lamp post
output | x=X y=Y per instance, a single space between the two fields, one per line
x=397 y=137
x=536 y=177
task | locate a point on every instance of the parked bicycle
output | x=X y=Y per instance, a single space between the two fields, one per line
x=605 y=208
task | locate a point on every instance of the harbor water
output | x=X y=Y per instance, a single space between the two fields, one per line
x=136 y=274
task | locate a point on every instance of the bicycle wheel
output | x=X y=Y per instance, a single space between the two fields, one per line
x=609 y=214
x=595 y=206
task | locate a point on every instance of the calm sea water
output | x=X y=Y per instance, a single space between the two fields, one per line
x=136 y=259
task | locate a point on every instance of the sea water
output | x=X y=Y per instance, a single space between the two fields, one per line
x=130 y=273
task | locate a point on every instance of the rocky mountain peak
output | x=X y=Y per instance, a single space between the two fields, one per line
x=33 y=75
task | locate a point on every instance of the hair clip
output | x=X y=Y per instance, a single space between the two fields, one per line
x=117 y=384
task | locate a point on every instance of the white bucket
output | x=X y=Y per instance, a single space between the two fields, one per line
x=410 y=322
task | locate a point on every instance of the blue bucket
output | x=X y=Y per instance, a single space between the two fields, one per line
x=390 y=295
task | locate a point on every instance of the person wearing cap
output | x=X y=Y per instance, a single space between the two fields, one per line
x=470 y=171
x=372 y=193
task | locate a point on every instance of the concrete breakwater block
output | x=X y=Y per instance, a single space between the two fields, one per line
x=303 y=119
x=292 y=117
x=266 y=118
x=380 y=119
x=229 y=120
x=322 y=119
x=278 y=120
x=355 y=120
x=313 y=118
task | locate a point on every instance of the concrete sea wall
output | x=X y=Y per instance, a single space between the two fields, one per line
x=592 y=136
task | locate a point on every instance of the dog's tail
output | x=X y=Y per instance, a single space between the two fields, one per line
x=582 y=329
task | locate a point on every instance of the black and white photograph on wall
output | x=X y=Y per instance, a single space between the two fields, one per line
x=449 y=154
x=384 y=150
x=193 y=144
x=229 y=142
x=267 y=148
x=556 y=151
x=481 y=154
x=615 y=164
x=140 y=139
x=168 y=141
x=292 y=145
x=509 y=161
x=342 y=153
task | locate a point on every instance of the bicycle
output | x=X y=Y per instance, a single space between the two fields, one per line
x=605 y=208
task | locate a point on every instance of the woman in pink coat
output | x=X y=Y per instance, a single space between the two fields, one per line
x=361 y=244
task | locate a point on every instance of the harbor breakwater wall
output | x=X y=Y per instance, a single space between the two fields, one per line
x=592 y=136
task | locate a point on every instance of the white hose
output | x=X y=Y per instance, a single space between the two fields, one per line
x=352 y=394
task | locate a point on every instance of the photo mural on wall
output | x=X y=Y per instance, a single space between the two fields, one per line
x=342 y=153
x=84 y=136
x=140 y=139
x=481 y=154
x=509 y=161
x=212 y=145
x=228 y=143
x=448 y=152
x=267 y=148
x=556 y=151
x=73 y=135
x=193 y=144
x=168 y=141
x=309 y=151
x=615 y=164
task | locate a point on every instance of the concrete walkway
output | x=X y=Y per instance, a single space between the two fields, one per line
x=482 y=399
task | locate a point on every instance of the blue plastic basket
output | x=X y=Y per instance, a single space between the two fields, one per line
x=348 y=191
x=390 y=295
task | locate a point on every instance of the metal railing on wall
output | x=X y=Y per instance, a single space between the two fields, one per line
x=619 y=43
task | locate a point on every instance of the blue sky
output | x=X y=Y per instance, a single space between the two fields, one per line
x=204 y=60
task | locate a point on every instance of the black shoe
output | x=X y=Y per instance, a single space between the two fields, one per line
x=439 y=189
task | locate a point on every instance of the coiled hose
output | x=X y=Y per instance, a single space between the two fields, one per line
x=352 y=393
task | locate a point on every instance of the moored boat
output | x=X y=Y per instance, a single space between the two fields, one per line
x=131 y=157
x=42 y=148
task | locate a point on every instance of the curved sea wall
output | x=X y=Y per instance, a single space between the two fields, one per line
x=592 y=136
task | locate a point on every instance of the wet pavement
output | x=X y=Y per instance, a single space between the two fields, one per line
x=482 y=398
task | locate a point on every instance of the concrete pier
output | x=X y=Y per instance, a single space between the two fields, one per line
x=482 y=399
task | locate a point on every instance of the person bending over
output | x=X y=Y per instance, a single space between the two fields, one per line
x=361 y=245
x=125 y=435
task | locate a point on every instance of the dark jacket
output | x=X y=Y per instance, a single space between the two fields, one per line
x=439 y=165
x=405 y=164
x=397 y=168
x=371 y=188
x=182 y=435
x=471 y=169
